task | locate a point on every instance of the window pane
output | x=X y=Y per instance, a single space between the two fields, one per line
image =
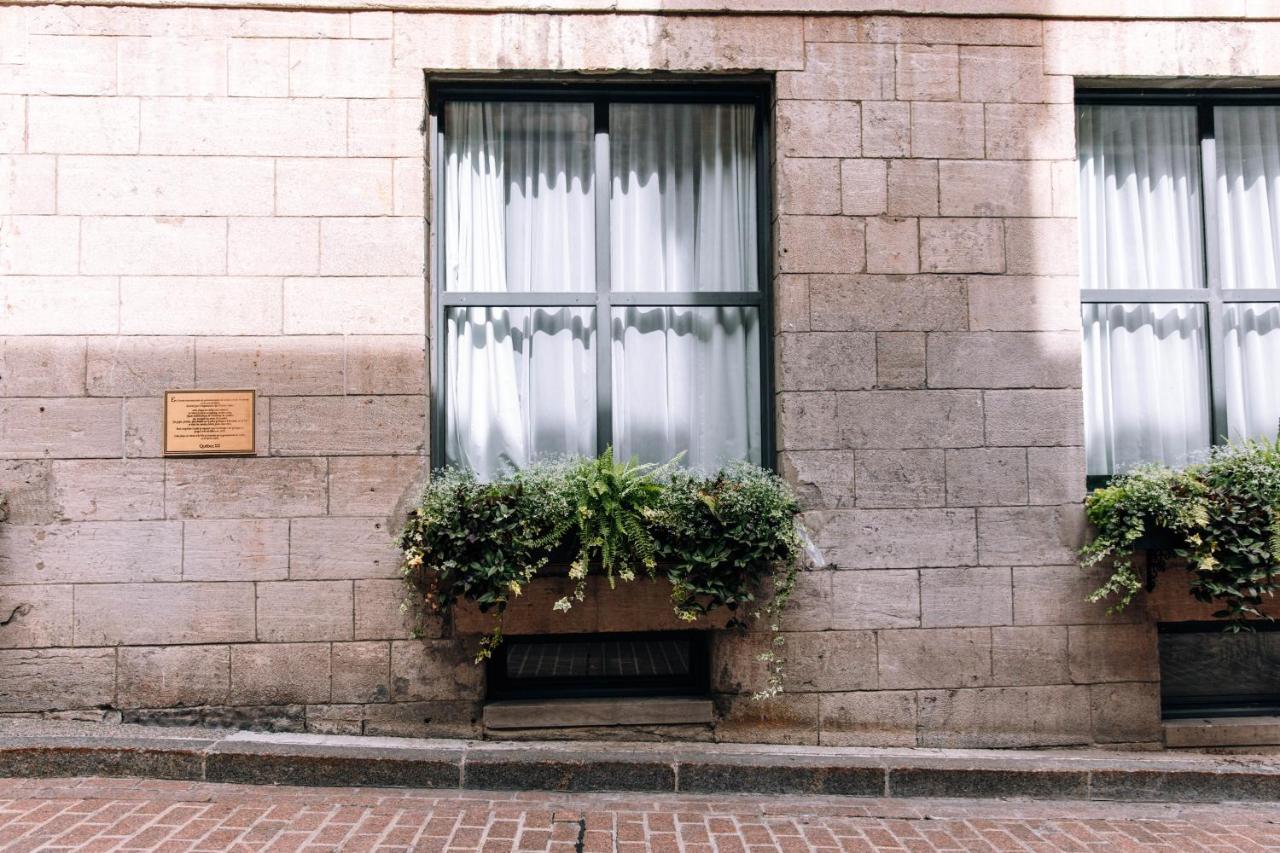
x=1253 y=369
x=1248 y=188
x=1139 y=197
x=683 y=199
x=521 y=384
x=1146 y=386
x=519 y=209
x=687 y=379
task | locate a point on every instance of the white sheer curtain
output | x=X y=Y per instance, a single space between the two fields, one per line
x=518 y=216
x=1247 y=143
x=1145 y=376
x=682 y=219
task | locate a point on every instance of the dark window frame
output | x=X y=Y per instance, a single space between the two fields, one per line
x=1212 y=296
x=755 y=91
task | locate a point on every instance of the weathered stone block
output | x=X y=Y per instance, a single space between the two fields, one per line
x=1004 y=360
x=297 y=611
x=819 y=129
x=174 y=676
x=386 y=364
x=37 y=615
x=810 y=607
x=998 y=73
x=333 y=187
x=165 y=186
x=244 y=488
x=57 y=679
x=900 y=360
x=900 y=478
x=258 y=67
x=962 y=245
x=912 y=188
x=281 y=127
x=826 y=361
x=807 y=421
x=1113 y=653
x=841 y=72
x=409 y=187
x=341 y=548
x=808 y=185
x=37 y=245
x=895 y=538
x=278 y=365
x=218 y=305
x=1029 y=656
x=1125 y=713
x=1034 y=418
x=887 y=303
x=167 y=65
x=785 y=719
x=1057 y=595
x=136 y=366
x=151 y=614
x=273 y=246
x=886 y=129
x=935 y=658
x=387 y=127
x=25 y=485
x=91 y=551
x=235 y=550
x=942 y=30
x=450 y=718
x=28 y=180
x=433 y=670
x=361 y=672
x=279 y=673
x=385 y=610
x=301 y=426
x=987 y=476
x=928 y=72
x=1056 y=475
x=108 y=489
x=822 y=244
x=133 y=245
x=874 y=718
x=1005 y=716
x=1024 y=303
x=373 y=485
x=817 y=661
x=1042 y=246
x=904 y=419
x=965 y=598
x=863 y=599
x=791 y=303
x=863 y=186
x=1031 y=131
x=822 y=479
x=1022 y=536
x=355 y=306
x=893 y=246
x=340 y=68
x=82 y=125
x=42 y=366
x=995 y=188
x=950 y=130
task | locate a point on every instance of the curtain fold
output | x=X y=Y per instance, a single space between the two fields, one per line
x=1145 y=366
x=519 y=217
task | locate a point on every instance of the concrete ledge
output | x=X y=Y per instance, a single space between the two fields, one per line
x=57 y=749
x=574 y=713
x=1222 y=731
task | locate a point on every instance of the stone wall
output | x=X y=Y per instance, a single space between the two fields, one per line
x=204 y=198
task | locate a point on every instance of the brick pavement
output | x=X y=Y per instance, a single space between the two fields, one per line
x=95 y=814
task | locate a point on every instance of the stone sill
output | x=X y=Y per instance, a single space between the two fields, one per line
x=574 y=713
x=1214 y=732
x=1237 y=10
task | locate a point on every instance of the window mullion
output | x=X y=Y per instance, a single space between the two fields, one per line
x=604 y=343
x=1212 y=274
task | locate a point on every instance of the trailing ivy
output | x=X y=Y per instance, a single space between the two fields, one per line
x=1221 y=516
x=721 y=540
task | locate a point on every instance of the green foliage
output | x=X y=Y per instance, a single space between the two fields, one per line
x=1221 y=516
x=719 y=539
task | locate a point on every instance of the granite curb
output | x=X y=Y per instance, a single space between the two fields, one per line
x=320 y=760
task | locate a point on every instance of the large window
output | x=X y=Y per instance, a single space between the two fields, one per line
x=602 y=268
x=1180 y=253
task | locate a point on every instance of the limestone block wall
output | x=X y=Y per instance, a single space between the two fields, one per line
x=196 y=197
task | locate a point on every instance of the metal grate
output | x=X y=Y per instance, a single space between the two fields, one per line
x=641 y=658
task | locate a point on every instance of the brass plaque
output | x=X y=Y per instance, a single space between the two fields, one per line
x=209 y=423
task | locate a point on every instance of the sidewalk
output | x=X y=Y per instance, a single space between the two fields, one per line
x=36 y=748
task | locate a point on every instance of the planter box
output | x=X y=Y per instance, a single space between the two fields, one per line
x=641 y=605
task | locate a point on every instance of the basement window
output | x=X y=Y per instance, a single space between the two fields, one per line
x=1208 y=672
x=575 y=666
